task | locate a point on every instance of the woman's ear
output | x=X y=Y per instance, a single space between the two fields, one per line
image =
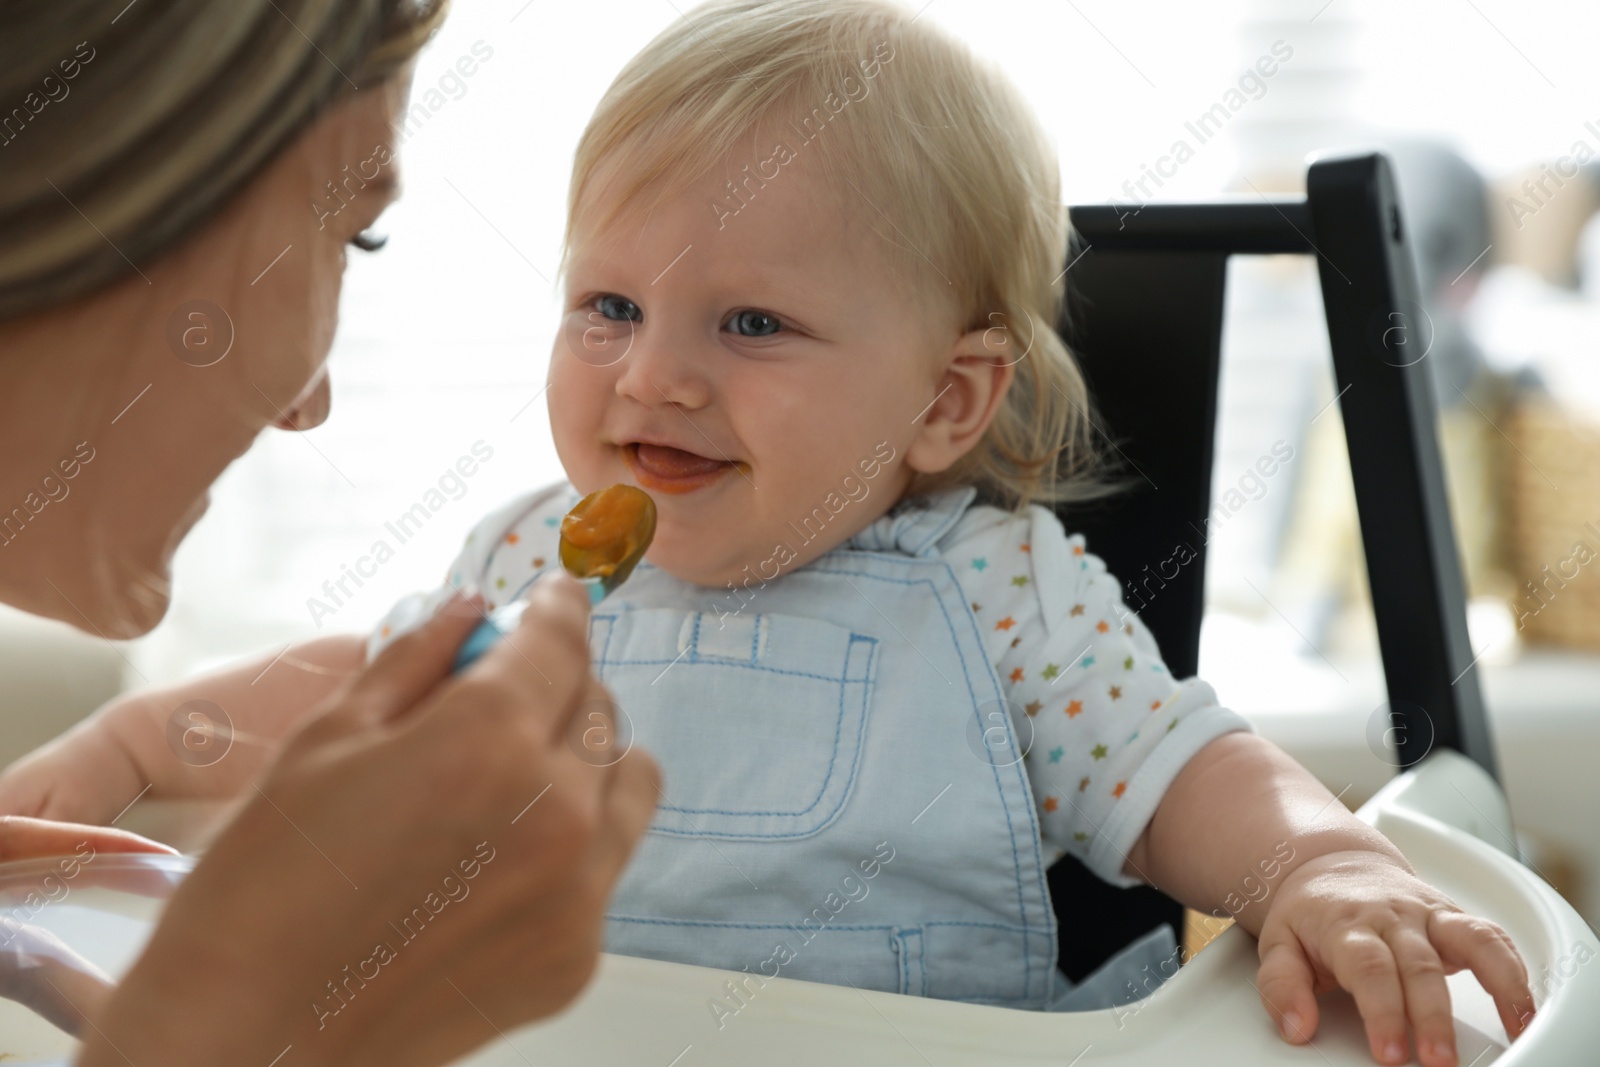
x=977 y=371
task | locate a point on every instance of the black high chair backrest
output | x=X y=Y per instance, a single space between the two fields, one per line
x=1144 y=318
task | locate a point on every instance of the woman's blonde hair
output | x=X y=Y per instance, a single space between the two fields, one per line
x=121 y=135
x=951 y=167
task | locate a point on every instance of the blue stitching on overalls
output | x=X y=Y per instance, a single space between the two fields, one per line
x=734 y=664
x=1027 y=952
x=847 y=928
x=905 y=970
x=838 y=730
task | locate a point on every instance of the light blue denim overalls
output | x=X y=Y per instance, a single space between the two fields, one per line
x=839 y=802
x=830 y=729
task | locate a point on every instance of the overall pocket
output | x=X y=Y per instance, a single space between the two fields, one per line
x=757 y=721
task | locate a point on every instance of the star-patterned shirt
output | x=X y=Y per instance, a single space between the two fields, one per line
x=1104 y=727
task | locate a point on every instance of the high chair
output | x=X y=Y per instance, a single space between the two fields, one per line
x=1145 y=319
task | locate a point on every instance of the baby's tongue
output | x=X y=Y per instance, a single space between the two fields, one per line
x=674 y=462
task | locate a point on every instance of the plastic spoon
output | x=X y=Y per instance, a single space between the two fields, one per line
x=603 y=538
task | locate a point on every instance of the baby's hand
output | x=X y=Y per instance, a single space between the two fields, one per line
x=1361 y=921
x=86 y=775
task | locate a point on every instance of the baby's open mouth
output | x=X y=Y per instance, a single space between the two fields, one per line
x=672 y=470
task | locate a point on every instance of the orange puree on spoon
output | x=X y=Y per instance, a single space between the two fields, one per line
x=603 y=538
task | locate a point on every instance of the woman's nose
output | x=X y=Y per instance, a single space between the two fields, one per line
x=310 y=409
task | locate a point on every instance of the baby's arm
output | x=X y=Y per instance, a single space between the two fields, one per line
x=207 y=737
x=1342 y=907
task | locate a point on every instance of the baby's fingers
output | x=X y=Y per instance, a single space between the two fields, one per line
x=1477 y=944
x=1364 y=964
x=1288 y=988
x=1427 y=997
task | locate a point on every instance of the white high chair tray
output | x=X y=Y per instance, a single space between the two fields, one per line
x=1443 y=816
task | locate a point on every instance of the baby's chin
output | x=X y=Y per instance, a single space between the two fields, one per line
x=698 y=564
x=699 y=557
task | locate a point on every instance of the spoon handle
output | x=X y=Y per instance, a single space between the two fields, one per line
x=504 y=619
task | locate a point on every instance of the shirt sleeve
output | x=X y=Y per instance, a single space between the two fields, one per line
x=1105 y=726
x=502 y=554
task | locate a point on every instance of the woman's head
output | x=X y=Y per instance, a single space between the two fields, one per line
x=844 y=169
x=177 y=189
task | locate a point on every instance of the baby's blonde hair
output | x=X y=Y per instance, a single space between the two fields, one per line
x=951 y=168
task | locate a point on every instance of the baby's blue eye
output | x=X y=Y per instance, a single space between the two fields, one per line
x=755 y=324
x=617 y=307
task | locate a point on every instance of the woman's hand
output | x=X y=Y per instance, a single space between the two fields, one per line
x=424 y=864
x=1362 y=921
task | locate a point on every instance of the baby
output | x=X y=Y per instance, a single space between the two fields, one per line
x=813 y=263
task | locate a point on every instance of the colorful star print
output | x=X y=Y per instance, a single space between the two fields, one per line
x=1033 y=707
x=1020 y=580
x=1006 y=623
x=1050 y=671
x=1098 y=752
x=1050 y=804
x=1056 y=754
x=1074 y=709
x=979 y=563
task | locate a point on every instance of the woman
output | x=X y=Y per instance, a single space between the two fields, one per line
x=169 y=278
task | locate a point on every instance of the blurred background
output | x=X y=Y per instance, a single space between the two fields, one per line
x=1491 y=113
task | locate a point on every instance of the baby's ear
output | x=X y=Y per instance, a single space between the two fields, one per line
x=978 y=369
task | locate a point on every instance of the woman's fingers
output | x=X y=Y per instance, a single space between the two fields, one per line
x=1287 y=985
x=1467 y=941
x=548 y=654
x=412 y=665
x=1427 y=998
x=22 y=837
x=1364 y=964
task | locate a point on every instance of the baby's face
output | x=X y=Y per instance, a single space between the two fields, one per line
x=759 y=380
